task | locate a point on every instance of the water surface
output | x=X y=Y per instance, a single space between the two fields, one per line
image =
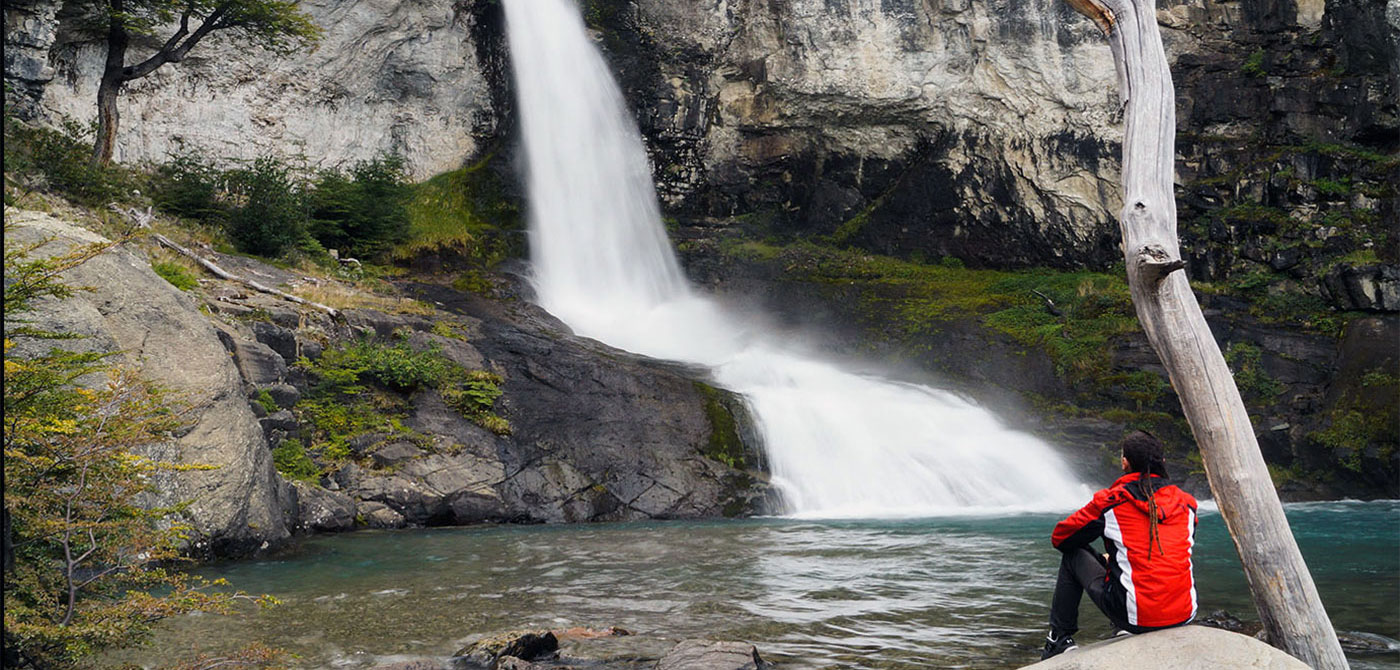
x=967 y=592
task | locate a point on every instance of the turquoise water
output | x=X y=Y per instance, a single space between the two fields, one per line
x=933 y=593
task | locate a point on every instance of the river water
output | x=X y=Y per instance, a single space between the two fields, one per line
x=966 y=592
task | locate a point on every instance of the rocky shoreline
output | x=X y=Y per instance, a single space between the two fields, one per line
x=595 y=434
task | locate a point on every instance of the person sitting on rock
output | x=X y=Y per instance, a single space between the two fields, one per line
x=1144 y=582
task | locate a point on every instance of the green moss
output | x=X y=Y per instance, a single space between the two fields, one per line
x=1349 y=432
x=176 y=274
x=1364 y=418
x=449 y=329
x=360 y=389
x=1333 y=187
x=724 y=445
x=1244 y=360
x=291 y=460
x=1253 y=66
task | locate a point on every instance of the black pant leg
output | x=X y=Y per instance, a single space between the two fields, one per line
x=1080 y=569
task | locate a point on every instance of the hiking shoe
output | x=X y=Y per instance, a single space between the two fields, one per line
x=1055 y=647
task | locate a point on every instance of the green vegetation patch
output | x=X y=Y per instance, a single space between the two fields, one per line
x=361 y=387
x=1364 y=418
x=1254 y=383
x=176 y=274
x=467 y=210
x=724 y=445
x=1093 y=308
x=291 y=460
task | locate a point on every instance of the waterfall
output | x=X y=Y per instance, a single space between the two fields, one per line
x=839 y=444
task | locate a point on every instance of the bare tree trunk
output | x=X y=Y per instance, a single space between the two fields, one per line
x=107 y=121
x=1282 y=588
x=113 y=76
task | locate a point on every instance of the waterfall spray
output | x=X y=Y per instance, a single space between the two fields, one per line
x=839 y=443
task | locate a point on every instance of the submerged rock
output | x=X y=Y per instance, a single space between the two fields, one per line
x=708 y=655
x=1184 y=648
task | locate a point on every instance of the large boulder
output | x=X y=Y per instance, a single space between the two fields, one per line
x=150 y=325
x=1184 y=648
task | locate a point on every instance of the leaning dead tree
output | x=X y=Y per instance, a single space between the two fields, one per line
x=1282 y=588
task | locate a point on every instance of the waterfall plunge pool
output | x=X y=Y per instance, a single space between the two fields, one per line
x=966 y=592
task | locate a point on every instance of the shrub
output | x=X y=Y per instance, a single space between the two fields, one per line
x=291 y=460
x=269 y=215
x=363 y=213
x=189 y=186
x=62 y=159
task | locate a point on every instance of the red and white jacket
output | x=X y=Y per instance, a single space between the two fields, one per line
x=1155 y=584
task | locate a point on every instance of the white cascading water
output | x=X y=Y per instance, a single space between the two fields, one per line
x=839 y=444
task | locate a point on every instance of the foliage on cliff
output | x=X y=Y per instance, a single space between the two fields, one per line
x=88 y=563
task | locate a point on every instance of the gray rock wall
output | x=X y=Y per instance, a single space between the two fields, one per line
x=388 y=77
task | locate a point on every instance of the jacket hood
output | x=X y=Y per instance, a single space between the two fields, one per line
x=1171 y=501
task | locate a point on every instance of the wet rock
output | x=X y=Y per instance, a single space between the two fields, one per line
x=1367 y=643
x=322 y=510
x=707 y=655
x=520 y=645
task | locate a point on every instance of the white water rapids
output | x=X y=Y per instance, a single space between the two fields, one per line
x=839 y=444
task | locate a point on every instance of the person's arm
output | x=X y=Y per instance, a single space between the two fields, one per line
x=1085 y=525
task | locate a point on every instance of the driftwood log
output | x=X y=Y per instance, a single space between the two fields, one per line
x=1279 y=582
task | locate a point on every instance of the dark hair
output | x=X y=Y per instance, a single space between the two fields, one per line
x=1145 y=454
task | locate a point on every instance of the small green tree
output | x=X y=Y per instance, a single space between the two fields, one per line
x=87 y=565
x=365 y=213
x=270 y=214
x=275 y=25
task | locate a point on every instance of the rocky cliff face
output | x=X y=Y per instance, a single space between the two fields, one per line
x=405 y=78
x=986 y=131
x=595 y=434
x=919 y=128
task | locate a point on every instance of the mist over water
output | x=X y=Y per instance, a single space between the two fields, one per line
x=839 y=444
